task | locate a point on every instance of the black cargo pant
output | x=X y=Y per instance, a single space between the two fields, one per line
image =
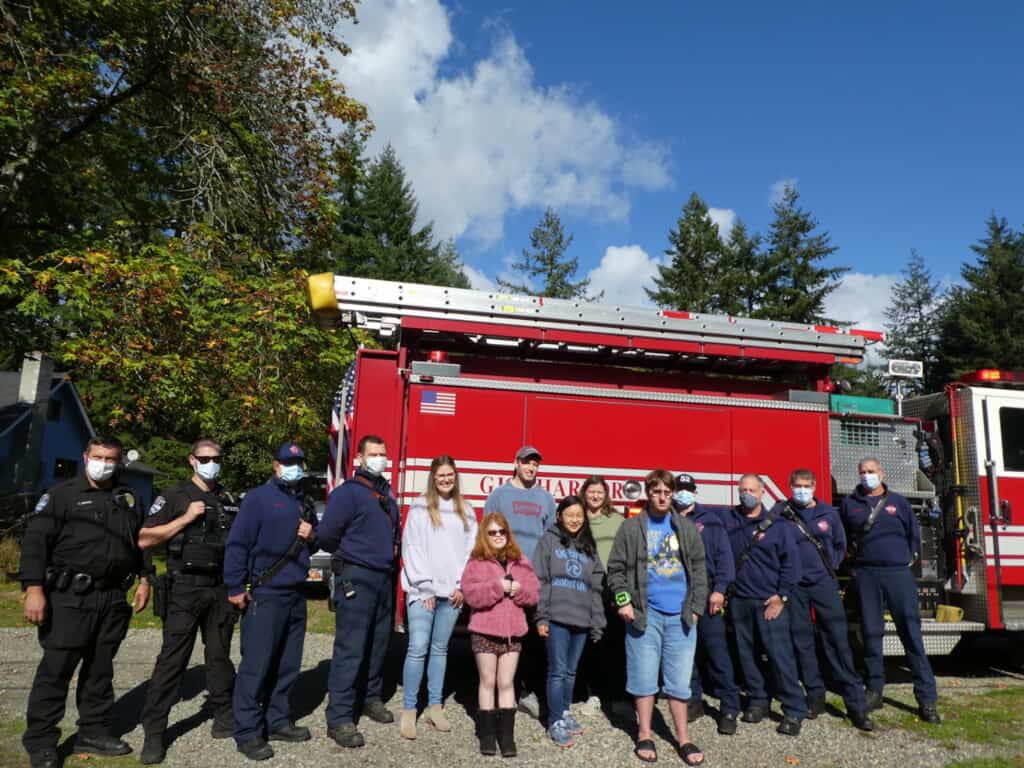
x=86 y=629
x=192 y=609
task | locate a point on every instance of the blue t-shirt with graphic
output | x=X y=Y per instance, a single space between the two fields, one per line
x=666 y=577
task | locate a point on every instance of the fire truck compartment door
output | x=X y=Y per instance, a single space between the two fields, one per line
x=1004 y=411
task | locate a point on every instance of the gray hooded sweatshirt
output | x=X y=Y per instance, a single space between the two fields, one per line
x=570 y=584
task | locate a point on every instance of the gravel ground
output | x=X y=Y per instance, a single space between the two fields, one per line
x=827 y=741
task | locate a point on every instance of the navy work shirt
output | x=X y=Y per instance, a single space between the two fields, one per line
x=263 y=532
x=773 y=565
x=717 y=552
x=895 y=537
x=361 y=524
x=823 y=522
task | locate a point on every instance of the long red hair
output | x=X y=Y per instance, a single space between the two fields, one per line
x=483 y=550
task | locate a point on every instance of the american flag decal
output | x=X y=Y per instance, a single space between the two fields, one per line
x=342 y=418
x=440 y=403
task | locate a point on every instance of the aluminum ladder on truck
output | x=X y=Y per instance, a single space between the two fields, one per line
x=576 y=326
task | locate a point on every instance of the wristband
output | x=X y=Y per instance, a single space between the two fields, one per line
x=622 y=599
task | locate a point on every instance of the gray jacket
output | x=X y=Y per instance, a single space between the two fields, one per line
x=571 y=585
x=627 y=567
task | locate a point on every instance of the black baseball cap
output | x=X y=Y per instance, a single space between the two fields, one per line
x=685 y=482
x=527 y=452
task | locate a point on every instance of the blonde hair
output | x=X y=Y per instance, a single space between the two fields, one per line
x=434 y=498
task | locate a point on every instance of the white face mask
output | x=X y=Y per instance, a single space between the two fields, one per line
x=376 y=464
x=802 y=495
x=209 y=471
x=99 y=471
x=871 y=480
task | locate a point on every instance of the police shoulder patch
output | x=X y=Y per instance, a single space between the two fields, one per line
x=158 y=504
x=41 y=504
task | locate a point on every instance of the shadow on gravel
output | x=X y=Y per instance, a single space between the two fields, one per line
x=128 y=709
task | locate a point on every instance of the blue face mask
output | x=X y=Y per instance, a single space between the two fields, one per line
x=749 y=500
x=291 y=473
x=684 y=498
x=802 y=495
x=871 y=480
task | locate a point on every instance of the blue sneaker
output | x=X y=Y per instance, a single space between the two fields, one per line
x=572 y=725
x=560 y=735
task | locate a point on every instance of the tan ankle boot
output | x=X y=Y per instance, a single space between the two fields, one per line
x=407 y=725
x=435 y=714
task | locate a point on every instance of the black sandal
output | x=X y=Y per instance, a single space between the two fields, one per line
x=688 y=750
x=646 y=745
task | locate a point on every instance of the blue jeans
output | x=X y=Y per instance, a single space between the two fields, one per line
x=667 y=645
x=273 y=633
x=893 y=587
x=428 y=630
x=565 y=646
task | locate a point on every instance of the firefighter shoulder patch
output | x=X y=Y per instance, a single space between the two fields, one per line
x=823 y=526
x=41 y=504
x=891 y=509
x=158 y=504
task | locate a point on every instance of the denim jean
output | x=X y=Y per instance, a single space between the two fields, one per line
x=565 y=646
x=667 y=645
x=428 y=631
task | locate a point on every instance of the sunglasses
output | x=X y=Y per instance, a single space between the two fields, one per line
x=496 y=533
x=291 y=462
x=206 y=459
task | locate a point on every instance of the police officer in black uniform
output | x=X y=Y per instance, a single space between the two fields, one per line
x=193 y=519
x=78 y=558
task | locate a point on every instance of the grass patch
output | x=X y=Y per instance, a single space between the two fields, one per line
x=12 y=754
x=989 y=762
x=994 y=718
x=319 y=618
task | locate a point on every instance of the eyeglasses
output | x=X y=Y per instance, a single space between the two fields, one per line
x=496 y=532
x=206 y=459
x=660 y=493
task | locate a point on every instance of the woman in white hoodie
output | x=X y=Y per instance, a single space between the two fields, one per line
x=440 y=531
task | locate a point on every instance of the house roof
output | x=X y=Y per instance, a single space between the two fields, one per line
x=11 y=411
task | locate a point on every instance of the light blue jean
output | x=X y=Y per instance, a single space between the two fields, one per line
x=666 y=645
x=565 y=646
x=428 y=631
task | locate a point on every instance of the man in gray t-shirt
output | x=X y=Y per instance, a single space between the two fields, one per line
x=529 y=509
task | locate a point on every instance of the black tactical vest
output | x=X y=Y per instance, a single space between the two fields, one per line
x=199 y=547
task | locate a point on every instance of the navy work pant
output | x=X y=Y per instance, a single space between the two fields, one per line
x=714 y=665
x=79 y=629
x=830 y=619
x=895 y=588
x=361 y=635
x=754 y=632
x=273 y=633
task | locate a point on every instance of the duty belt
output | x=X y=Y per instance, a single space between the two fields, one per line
x=68 y=580
x=196 y=579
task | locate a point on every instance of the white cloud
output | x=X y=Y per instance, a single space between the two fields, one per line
x=778 y=189
x=725 y=218
x=861 y=299
x=487 y=140
x=624 y=272
x=477 y=279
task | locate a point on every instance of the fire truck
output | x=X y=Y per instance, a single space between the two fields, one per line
x=616 y=391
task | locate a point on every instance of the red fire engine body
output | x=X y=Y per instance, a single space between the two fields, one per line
x=617 y=391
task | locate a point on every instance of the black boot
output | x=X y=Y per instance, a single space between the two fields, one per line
x=486 y=728
x=153 y=749
x=507 y=732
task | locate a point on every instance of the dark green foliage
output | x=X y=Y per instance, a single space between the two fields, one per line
x=795 y=282
x=377 y=235
x=983 y=326
x=548 y=265
x=912 y=322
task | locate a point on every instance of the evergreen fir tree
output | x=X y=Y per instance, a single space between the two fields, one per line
x=912 y=322
x=740 y=290
x=984 y=324
x=691 y=281
x=795 y=282
x=545 y=263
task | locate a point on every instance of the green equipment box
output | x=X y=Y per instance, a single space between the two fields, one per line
x=855 y=404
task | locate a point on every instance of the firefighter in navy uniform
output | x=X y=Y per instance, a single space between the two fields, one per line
x=193 y=519
x=78 y=558
x=884 y=539
x=822 y=547
x=767 y=572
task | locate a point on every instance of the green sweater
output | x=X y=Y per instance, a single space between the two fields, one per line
x=604 y=528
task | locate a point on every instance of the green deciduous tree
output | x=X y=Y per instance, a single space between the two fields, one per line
x=912 y=322
x=984 y=324
x=694 y=279
x=796 y=283
x=545 y=264
x=378 y=235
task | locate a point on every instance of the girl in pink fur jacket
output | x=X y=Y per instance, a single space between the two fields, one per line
x=498 y=584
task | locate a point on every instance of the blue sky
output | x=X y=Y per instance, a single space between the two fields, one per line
x=901 y=129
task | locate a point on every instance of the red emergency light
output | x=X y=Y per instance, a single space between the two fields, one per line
x=990 y=375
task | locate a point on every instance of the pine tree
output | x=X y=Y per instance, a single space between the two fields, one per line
x=740 y=289
x=377 y=234
x=912 y=322
x=984 y=324
x=796 y=284
x=692 y=279
x=545 y=263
